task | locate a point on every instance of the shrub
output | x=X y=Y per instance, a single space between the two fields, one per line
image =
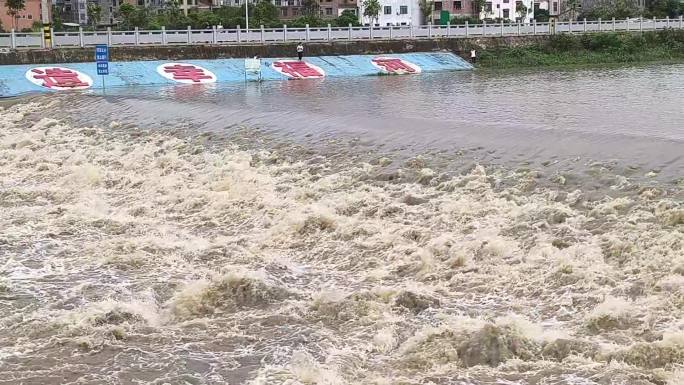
x=563 y=43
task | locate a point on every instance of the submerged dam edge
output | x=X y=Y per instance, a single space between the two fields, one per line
x=459 y=47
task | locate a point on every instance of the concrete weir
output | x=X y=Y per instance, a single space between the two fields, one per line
x=25 y=78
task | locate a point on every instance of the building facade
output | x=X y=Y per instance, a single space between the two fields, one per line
x=25 y=18
x=457 y=8
x=509 y=10
x=394 y=12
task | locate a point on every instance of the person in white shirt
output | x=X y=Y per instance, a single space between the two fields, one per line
x=300 y=51
x=473 y=56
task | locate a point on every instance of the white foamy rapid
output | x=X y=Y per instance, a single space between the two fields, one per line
x=133 y=257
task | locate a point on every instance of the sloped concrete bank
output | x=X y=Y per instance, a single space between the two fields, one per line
x=185 y=52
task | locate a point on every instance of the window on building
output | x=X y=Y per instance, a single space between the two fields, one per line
x=328 y=11
x=506 y=13
x=141 y=3
x=295 y=12
x=458 y=5
x=403 y=9
x=438 y=5
x=290 y=2
x=488 y=7
x=505 y=1
x=403 y=23
x=388 y=10
x=536 y=7
x=555 y=7
x=278 y=3
x=283 y=12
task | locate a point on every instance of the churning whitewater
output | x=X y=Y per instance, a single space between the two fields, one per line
x=131 y=256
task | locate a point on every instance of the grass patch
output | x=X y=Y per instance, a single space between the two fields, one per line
x=590 y=49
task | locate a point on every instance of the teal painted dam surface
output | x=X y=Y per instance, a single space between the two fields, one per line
x=21 y=79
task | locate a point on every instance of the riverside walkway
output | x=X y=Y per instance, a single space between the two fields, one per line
x=221 y=36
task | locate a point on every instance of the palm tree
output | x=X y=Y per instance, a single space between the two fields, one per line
x=371 y=9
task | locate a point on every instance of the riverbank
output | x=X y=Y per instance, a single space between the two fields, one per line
x=588 y=49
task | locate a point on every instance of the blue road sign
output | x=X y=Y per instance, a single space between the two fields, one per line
x=101 y=53
x=102 y=59
x=103 y=68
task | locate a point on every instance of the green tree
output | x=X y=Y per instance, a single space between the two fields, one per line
x=56 y=18
x=1 y=29
x=521 y=9
x=94 y=12
x=478 y=7
x=133 y=16
x=571 y=8
x=371 y=9
x=265 y=13
x=310 y=8
x=541 y=15
x=347 y=17
x=13 y=9
x=426 y=8
x=619 y=9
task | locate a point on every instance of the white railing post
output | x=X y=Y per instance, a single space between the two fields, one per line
x=213 y=34
x=137 y=37
x=42 y=39
x=585 y=25
x=13 y=39
x=262 y=34
x=390 y=32
x=307 y=32
x=600 y=24
x=448 y=28
x=189 y=29
x=239 y=34
x=667 y=21
x=329 y=32
x=570 y=26
x=109 y=36
x=502 y=27
x=430 y=29
x=349 y=29
x=534 y=27
x=370 y=31
x=484 y=28
x=284 y=32
x=627 y=21
x=163 y=34
x=518 y=28
x=681 y=21
x=53 y=42
x=613 y=24
x=641 y=24
x=80 y=36
x=411 y=30
x=654 y=24
x=466 y=24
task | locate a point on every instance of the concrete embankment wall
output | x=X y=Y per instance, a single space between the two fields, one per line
x=140 y=53
x=18 y=79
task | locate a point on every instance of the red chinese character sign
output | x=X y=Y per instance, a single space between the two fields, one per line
x=186 y=73
x=59 y=78
x=392 y=65
x=294 y=69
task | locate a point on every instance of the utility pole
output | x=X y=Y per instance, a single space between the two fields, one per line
x=45 y=19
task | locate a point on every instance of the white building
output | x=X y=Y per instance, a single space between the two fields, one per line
x=394 y=12
x=512 y=10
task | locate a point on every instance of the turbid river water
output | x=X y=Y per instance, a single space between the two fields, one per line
x=458 y=228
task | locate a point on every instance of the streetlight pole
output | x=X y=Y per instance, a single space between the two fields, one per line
x=246 y=17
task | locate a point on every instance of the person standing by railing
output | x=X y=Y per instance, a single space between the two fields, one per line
x=300 y=51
